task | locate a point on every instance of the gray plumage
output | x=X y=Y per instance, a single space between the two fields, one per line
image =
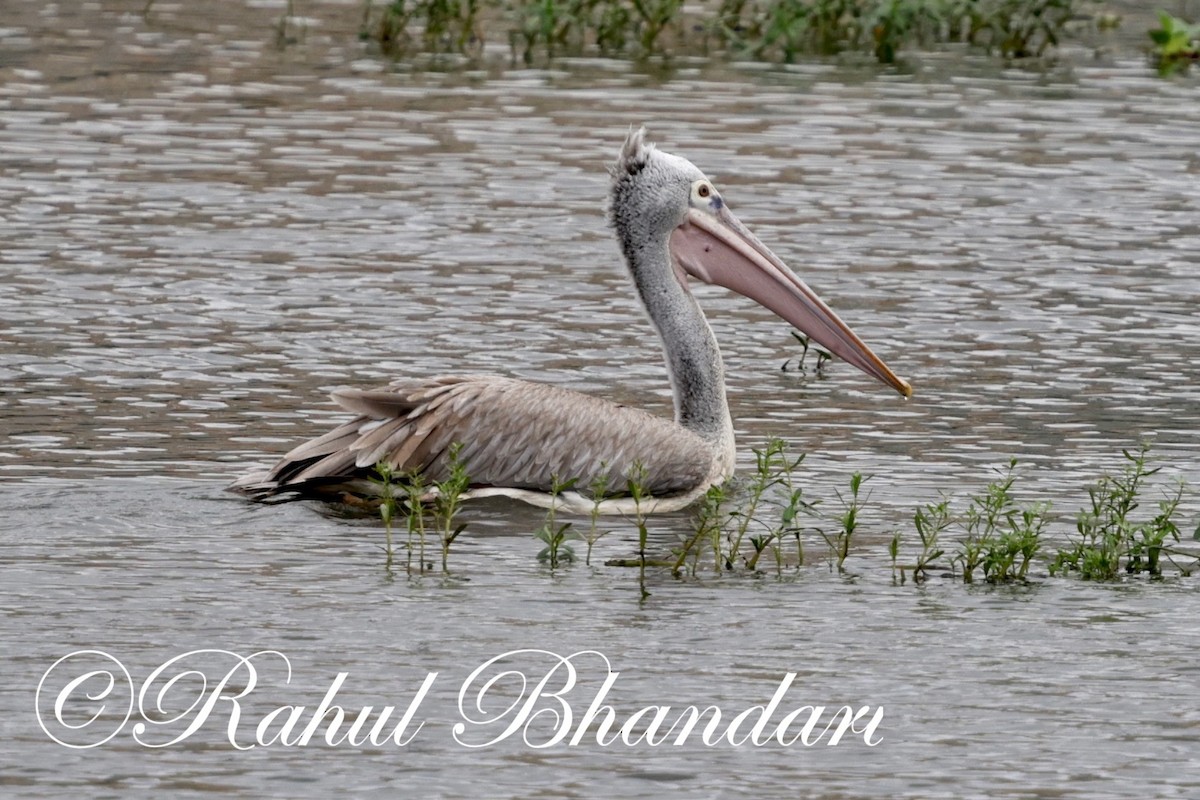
x=513 y=434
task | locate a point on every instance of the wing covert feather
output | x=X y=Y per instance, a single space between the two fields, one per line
x=513 y=433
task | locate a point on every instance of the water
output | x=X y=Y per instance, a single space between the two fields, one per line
x=203 y=234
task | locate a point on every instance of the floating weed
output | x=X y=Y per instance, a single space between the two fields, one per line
x=553 y=534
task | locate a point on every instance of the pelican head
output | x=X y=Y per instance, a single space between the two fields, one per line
x=658 y=196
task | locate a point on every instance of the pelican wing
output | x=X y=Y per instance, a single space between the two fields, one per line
x=513 y=434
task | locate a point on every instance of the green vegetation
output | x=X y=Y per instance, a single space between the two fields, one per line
x=995 y=539
x=385 y=481
x=554 y=534
x=806 y=346
x=765 y=515
x=409 y=492
x=1176 y=44
x=779 y=30
x=1001 y=538
x=1111 y=539
x=599 y=492
x=448 y=500
x=639 y=493
x=839 y=539
x=445 y=26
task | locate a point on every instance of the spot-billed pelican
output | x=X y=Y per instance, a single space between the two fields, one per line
x=516 y=436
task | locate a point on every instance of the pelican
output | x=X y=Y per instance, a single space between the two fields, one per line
x=516 y=438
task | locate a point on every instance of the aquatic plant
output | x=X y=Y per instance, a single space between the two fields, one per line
x=289 y=30
x=446 y=26
x=1012 y=28
x=554 y=534
x=599 y=492
x=763 y=478
x=762 y=29
x=784 y=469
x=384 y=480
x=448 y=500
x=929 y=521
x=1176 y=44
x=727 y=530
x=1109 y=538
x=708 y=527
x=839 y=539
x=653 y=17
x=414 y=488
x=823 y=357
x=1002 y=538
x=736 y=523
x=442 y=500
x=637 y=490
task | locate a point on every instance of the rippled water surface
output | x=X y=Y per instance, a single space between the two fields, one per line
x=201 y=234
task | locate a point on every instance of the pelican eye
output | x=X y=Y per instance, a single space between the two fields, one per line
x=705 y=196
